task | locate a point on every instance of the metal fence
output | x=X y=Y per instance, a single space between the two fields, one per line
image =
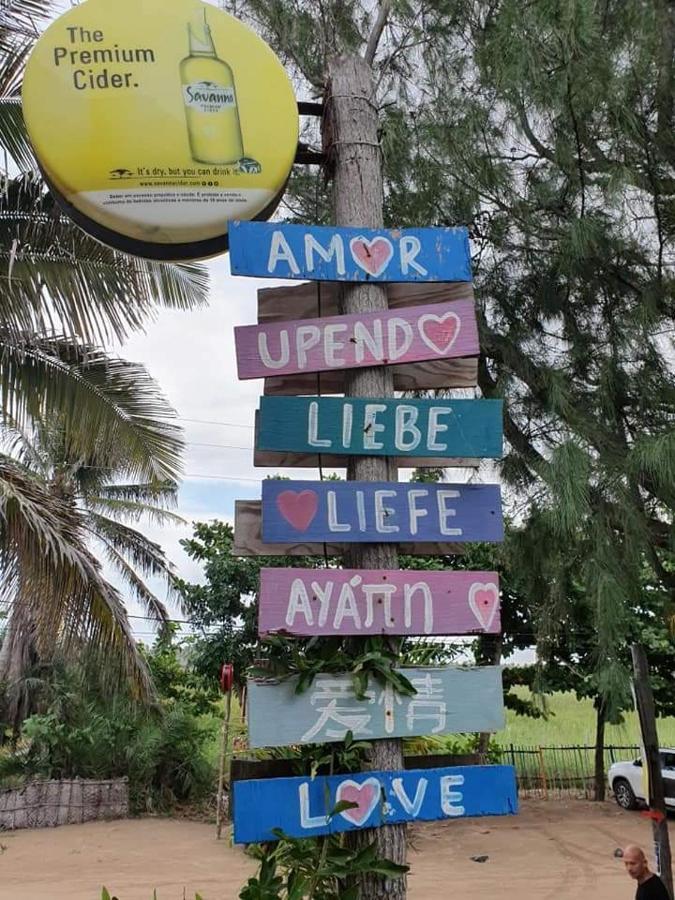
x=560 y=771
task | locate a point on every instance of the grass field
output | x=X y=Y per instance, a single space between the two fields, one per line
x=572 y=722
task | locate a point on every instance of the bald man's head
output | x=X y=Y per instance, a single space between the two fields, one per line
x=635 y=862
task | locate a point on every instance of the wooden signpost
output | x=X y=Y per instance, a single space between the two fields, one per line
x=372 y=339
x=362 y=602
x=304 y=807
x=354 y=331
x=392 y=512
x=335 y=602
x=323 y=253
x=448 y=701
x=428 y=428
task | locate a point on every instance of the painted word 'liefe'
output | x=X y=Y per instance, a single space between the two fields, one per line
x=408 y=435
x=384 y=515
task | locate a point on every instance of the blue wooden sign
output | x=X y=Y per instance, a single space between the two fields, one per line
x=372 y=511
x=337 y=425
x=323 y=253
x=305 y=807
x=449 y=700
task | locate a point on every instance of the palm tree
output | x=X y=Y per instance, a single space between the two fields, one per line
x=88 y=438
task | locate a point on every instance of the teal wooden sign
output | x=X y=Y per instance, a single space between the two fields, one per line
x=344 y=426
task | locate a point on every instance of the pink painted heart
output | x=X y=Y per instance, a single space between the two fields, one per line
x=372 y=256
x=439 y=333
x=484 y=603
x=365 y=795
x=298 y=508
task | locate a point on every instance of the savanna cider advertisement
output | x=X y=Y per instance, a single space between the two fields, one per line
x=156 y=123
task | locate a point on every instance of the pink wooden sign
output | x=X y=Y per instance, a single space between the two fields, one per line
x=415 y=334
x=373 y=601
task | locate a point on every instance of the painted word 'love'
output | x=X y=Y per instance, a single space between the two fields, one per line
x=336 y=425
x=323 y=253
x=449 y=700
x=364 y=602
x=304 y=807
x=360 y=511
x=435 y=331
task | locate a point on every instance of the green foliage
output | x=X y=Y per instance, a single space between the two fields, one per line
x=81 y=734
x=323 y=869
x=176 y=680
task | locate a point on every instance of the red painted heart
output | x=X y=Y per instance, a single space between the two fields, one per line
x=439 y=333
x=298 y=508
x=372 y=256
x=364 y=795
x=484 y=603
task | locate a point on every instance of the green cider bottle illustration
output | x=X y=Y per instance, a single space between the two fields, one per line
x=210 y=100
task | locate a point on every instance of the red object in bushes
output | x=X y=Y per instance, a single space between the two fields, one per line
x=226 y=677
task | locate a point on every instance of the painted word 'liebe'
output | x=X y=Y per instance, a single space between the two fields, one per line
x=416 y=334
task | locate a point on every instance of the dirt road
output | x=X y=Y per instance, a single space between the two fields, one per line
x=550 y=851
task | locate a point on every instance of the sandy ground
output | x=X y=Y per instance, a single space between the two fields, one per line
x=550 y=851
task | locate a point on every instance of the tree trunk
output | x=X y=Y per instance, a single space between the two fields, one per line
x=600 y=719
x=351 y=142
x=490 y=654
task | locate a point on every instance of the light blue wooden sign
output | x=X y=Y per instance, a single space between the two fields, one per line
x=304 y=807
x=372 y=511
x=450 y=700
x=337 y=425
x=326 y=253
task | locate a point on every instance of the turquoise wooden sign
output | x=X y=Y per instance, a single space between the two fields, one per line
x=449 y=700
x=336 y=425
x=305 y=807
x=328 y=253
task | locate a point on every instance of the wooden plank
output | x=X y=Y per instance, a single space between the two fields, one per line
x=436 y=374
x=449 y=700
x=258 y=769
x=379 y=511
x=331 y=602
x=303 y=807
x=248 y=540
x=330 y=253
x=312 y=299
x=439 y=428
x=445 y=331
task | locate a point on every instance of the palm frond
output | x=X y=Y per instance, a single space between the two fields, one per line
x=111 y=411
x=142 y=553
x=132 y=511
x=57 y=278
x=139 y=589
x=157 y=492
x=23 y=19
x=54 y=584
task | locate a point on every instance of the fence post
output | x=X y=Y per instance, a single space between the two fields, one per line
x=542 y=772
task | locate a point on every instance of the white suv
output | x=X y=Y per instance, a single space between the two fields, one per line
x=626 y=781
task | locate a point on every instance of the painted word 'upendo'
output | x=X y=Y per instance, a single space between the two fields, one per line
x=349 y=601
x=325 y=253
x=415 y=334
x=366 y=511
x=443 y=428
x=304 y=807
x=448 y=701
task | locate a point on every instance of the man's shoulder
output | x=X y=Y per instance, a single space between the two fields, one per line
x=652 y=889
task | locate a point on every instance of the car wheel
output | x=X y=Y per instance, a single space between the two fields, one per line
x=623 y=794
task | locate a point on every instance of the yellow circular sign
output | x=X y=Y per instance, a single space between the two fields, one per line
x=157 y=123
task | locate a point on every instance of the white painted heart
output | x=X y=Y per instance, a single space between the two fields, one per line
x=371 y=256
x=484 y=602
x=439 y=333
x=366 y=796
